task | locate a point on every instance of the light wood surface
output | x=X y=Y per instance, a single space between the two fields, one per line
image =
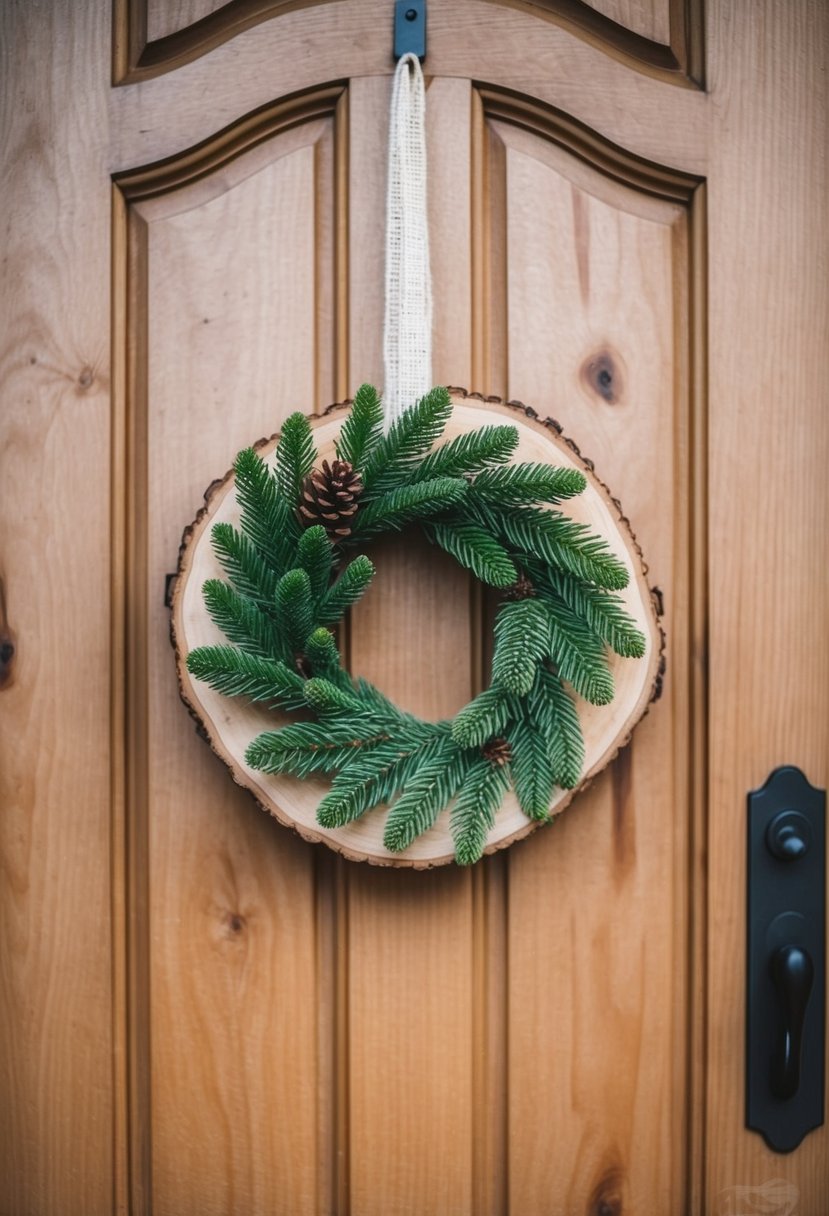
x=243 y=1023
x=416 y=604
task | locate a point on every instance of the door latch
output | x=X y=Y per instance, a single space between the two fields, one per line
x=786 y=972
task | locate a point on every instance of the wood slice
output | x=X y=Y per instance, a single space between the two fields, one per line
x=229 y=724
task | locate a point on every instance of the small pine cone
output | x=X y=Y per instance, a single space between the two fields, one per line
x=521 y=589
x=329 y=497
x=498 y=751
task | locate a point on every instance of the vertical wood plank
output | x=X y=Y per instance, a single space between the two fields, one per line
x=769 y=516
x=597 y=919
x=410 y=948
x=233 y=905
x=55 y=943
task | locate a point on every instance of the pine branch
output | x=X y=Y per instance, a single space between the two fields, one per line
x=475 y=549
x=579 y=656
x=473 y=815
x=315 y=556
x=603 y=612
x=398 y=507
x=348 y=588
x=531 y=767
x=371 y=779
x=522 y=484
x=362 y=429
x=266 y=519
x=563 y=730
x=242 y=621
x=327 y=697
x=555 y=539
x=303 y=748
x=412 y=434
x=295 y=456
x=468 y=454
x=437 y=779
x=521 y=642
x=402 y=722
x=243 y=565
x=295 y=607
x=236 y=674
x=324 y=658
x=482 y=718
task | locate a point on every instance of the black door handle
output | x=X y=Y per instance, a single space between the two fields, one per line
x=793 y=974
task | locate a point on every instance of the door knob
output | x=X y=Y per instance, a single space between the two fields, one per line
x=793 y=974
x=786 y=959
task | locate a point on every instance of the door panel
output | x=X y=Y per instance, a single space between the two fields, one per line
x=559 y=1030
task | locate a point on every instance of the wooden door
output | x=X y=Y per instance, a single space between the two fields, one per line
x=201 y=1013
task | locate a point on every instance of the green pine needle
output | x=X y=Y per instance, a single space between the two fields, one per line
x=242 y=621
x=579 y=656
x=315 y=556
x=438 y=778
x=522 y=484
x=410 y=436
x=295 y=456
x=393 y=510
x=468 y=454
x=555 y=539
x=475 y=549
x=326 y=697
x=563 y=728
x=266 y=519
x=362 y=429
x=482 y=718
x=371 y=778
x=521 y=642
x=531 y=767
x=295 y=607
x=242 y=564
x=235 y=674
x=303 y=748
x=603 y=612
x=473 y=815
x=348 y=588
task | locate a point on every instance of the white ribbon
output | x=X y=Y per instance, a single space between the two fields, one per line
x=407 y=331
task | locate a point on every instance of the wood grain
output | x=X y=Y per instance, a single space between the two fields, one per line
x=55 y=968
x=769 y=509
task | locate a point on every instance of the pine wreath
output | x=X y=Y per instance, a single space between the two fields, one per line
x=295 y=565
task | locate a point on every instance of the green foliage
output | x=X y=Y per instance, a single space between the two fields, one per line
x=603 y=612
x=267 y=520
x=438 y=777
x=468 y=454
x=473 y=814
x=556 y=540
x=295 y=607
x=348 y=588
x=396 y=508
x=243 y=566
x=236 y=674
x=523 y=484
x=363 y=427
x=295 y=456
x=531 y=766
x=412 y=434
x=315 y=556
x=476 y=549
x=242 y=621
x=521 y=642
x=285 y=588
x=303 y=748
x=482 y=718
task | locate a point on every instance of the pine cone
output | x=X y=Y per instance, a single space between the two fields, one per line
x=329 y=497
x=521 y=589
x=497 y=751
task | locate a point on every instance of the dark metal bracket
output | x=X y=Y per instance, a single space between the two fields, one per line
x=786 y=959
x=410 y=28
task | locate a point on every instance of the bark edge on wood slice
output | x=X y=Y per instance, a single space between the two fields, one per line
x=229 y=723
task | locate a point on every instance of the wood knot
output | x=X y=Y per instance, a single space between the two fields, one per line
x=607 y=1198
x=602 y=373
x=235 y=923
x=86 y=378
x=7 y=653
